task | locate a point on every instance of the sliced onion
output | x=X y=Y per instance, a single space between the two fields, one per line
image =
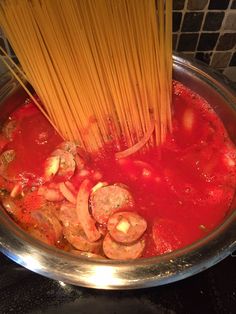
x=133 y=149
x=98 y=186
x=65 y=191
x=71 y=187
x=17 y=189
x=82 y=208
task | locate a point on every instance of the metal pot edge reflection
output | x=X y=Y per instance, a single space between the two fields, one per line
x=204 y=253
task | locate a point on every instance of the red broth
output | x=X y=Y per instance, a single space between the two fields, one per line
x=183 y=189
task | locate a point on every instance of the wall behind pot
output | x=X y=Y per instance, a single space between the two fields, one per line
x=206 y=30
x=203 y=29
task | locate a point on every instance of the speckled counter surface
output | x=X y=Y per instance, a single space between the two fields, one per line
x=212 y=291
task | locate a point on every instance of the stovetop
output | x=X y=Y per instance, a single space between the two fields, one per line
x=24 y=292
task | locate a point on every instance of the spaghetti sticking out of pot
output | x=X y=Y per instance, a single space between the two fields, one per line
x=97 y=63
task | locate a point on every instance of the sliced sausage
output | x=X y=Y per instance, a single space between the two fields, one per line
x=45 y=226
x=115 y=250
x=82 y=208
x=5 y=158
x=79 y=162
x=67 y=163
x=69 y=147
x=108 y=200
x=9 y=129
x=72 y=148
x=68 y=215
x=46 y=218
x=3 y=142
x=126 y=227
x=11 y=207
x=76 y=236
x=63 y=161
x=35 y=232
x=73 y=231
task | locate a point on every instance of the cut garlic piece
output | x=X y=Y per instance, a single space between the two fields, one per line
x=123 y=225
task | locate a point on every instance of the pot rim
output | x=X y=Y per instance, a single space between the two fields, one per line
x=146 y=272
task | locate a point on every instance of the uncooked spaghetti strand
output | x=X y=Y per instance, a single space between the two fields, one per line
x=168 y=33
x=22 y=73
x=94 y=61
x=29 y=93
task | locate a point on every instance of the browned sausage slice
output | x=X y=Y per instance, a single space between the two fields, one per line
x=75 y=235
x=67 y=215
x=115 y=250
x=126 y=227
x=66 y=165
x=73 y=231
x=68 y=147
x=46 y=227
x=40 y=235
x=108 y=200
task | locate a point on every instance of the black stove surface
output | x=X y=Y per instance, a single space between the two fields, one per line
x=212 y=291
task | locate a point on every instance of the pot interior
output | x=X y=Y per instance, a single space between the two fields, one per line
x=139 y=273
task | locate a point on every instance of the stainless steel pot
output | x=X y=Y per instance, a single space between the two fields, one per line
x=106 y=274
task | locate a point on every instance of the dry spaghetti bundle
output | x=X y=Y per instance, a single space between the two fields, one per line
x=102 y=68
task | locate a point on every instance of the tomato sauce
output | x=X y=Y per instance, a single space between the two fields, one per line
x=183 y=189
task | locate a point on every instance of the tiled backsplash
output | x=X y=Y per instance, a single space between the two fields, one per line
x=203 y=29
x=206 y=30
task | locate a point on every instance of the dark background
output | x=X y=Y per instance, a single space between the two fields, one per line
x=212 y=291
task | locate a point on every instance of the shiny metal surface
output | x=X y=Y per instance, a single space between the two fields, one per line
x=56 y=264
